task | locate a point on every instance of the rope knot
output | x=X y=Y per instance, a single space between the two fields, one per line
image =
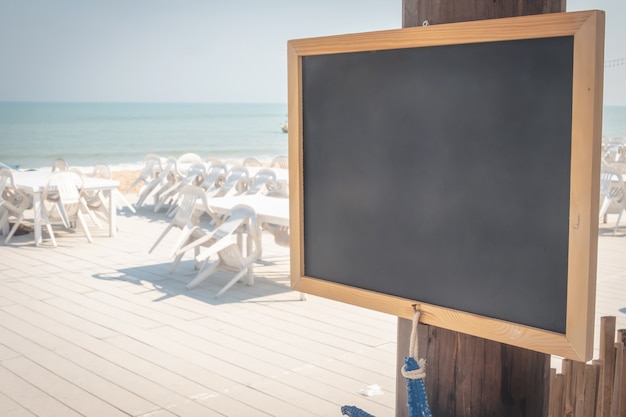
x=413 y=369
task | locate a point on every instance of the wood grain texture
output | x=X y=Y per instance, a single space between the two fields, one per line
x=579 y=389
x=585 y=180
x=592 y=380
x=569 y=393
x=607 y=357
x=478 y=377
x=416 y=12
x=621 y=338
x=618 y=388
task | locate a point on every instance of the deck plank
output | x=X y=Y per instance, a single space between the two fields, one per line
x=30 y=398
x=9 y=408
x=69 y=394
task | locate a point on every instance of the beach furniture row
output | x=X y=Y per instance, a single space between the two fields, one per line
x=162 y=180
x=219 y=212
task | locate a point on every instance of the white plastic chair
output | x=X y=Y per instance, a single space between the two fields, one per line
x=210 y=181
x=61 y=201
x=59 y=164
x=201 y=207
x=165 y=179
x=226 y=242
x=181 y=167
x=104 y=171
x=612 y=194
x=186 y=217
x=251 y=162
x=213 y=177
x=151 y=169
x=262 y=182
x=13 y=203
x=193 y=176
x=93 y=201
x=235 y=183
x=280 y=162
x=185 y=162
x=213 y=160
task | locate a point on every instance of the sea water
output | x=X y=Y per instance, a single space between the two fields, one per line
x=32 y=135
x=614 y=122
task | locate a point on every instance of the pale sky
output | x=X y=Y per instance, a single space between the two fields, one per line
x=195 y=50
x=614 y=45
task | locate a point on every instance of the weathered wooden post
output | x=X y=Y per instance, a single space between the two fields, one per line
x=468 y=376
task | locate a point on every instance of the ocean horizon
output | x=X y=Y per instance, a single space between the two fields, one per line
x=32 y=135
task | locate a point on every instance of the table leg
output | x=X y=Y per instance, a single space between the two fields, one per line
x=5 y=222
x=37 y=220
x=112 y=213
x=249 y=248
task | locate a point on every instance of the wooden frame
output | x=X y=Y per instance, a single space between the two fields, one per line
x=587 y=29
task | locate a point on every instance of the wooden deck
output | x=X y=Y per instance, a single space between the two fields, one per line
x=103 y=329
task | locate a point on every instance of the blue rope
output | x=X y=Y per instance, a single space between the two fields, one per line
x=416 y=392
x=352 y=411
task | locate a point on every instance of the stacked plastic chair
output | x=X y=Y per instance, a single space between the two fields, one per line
x=13 y=203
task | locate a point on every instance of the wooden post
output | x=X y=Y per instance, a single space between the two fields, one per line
x=467 y=376
x=621 y=338
x=416 y=12
x=607 y=357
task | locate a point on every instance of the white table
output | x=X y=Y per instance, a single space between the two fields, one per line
x=33 y=183
x=268 y=209
x=273 y=210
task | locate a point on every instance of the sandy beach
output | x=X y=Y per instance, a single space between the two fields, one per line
x=126 y=178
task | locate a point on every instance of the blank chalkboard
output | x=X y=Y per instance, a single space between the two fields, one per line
x=442 y=174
